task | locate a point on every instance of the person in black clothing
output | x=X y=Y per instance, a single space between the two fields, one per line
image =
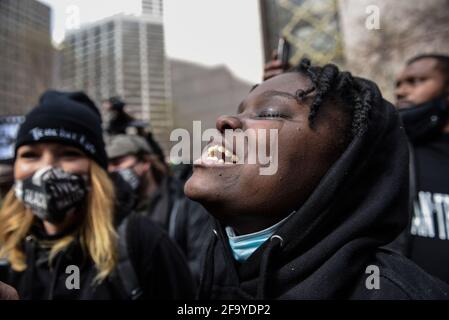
x=135 y=161
x=159 y=195
x=315 y=229
x=57 y=235
x=118 y=121
x=422 y=91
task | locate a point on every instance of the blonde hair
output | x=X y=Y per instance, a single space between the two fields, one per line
x=97 y=234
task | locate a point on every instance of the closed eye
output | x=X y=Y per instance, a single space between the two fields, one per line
x=272 y=114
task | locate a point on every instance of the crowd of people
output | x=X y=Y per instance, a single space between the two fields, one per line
x=361 y=185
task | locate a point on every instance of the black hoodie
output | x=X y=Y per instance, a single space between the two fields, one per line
x=324 y=249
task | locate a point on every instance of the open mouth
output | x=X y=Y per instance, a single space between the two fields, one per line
x=221 y=155
x=217 y=155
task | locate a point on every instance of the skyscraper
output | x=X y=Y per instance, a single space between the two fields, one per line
x=25 y=56
x=152 y=8
x=123 y=55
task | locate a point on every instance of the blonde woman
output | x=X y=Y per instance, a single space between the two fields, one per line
x=57 y=235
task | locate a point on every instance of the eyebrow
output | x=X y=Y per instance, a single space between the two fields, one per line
x=270 y=94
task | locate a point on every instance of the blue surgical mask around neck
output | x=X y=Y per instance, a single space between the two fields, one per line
x=244 y=246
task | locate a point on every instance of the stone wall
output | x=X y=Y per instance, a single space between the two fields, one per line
x=407 y=28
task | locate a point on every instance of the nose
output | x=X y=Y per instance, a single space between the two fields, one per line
x=228 y=122
x=49 y=159
x=401 y=92
x=112 y=167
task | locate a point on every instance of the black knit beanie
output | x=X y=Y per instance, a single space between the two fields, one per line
x=66 y=117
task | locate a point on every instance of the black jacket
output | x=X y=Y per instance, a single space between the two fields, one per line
x=119 y=124
x=190 y=229
x=186 y=221
x=324 y=249
x=159 y=267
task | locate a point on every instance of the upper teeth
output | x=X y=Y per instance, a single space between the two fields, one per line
x=215 y=153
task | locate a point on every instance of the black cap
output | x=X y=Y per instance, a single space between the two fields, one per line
x=66 y=117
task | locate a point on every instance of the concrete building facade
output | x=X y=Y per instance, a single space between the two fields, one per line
x=123 y=55
x=26 y=54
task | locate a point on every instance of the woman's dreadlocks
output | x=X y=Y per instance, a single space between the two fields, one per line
x=331 y=84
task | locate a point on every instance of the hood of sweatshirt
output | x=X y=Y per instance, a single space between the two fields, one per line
x=323 y=250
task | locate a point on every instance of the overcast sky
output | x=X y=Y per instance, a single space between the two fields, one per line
x=209 y=32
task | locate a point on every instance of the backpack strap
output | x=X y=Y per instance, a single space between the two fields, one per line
x=125 y=268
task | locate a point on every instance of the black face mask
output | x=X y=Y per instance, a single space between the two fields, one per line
x=52 y=193
x=425 y=121
x=131 y=178
x=126 y=197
